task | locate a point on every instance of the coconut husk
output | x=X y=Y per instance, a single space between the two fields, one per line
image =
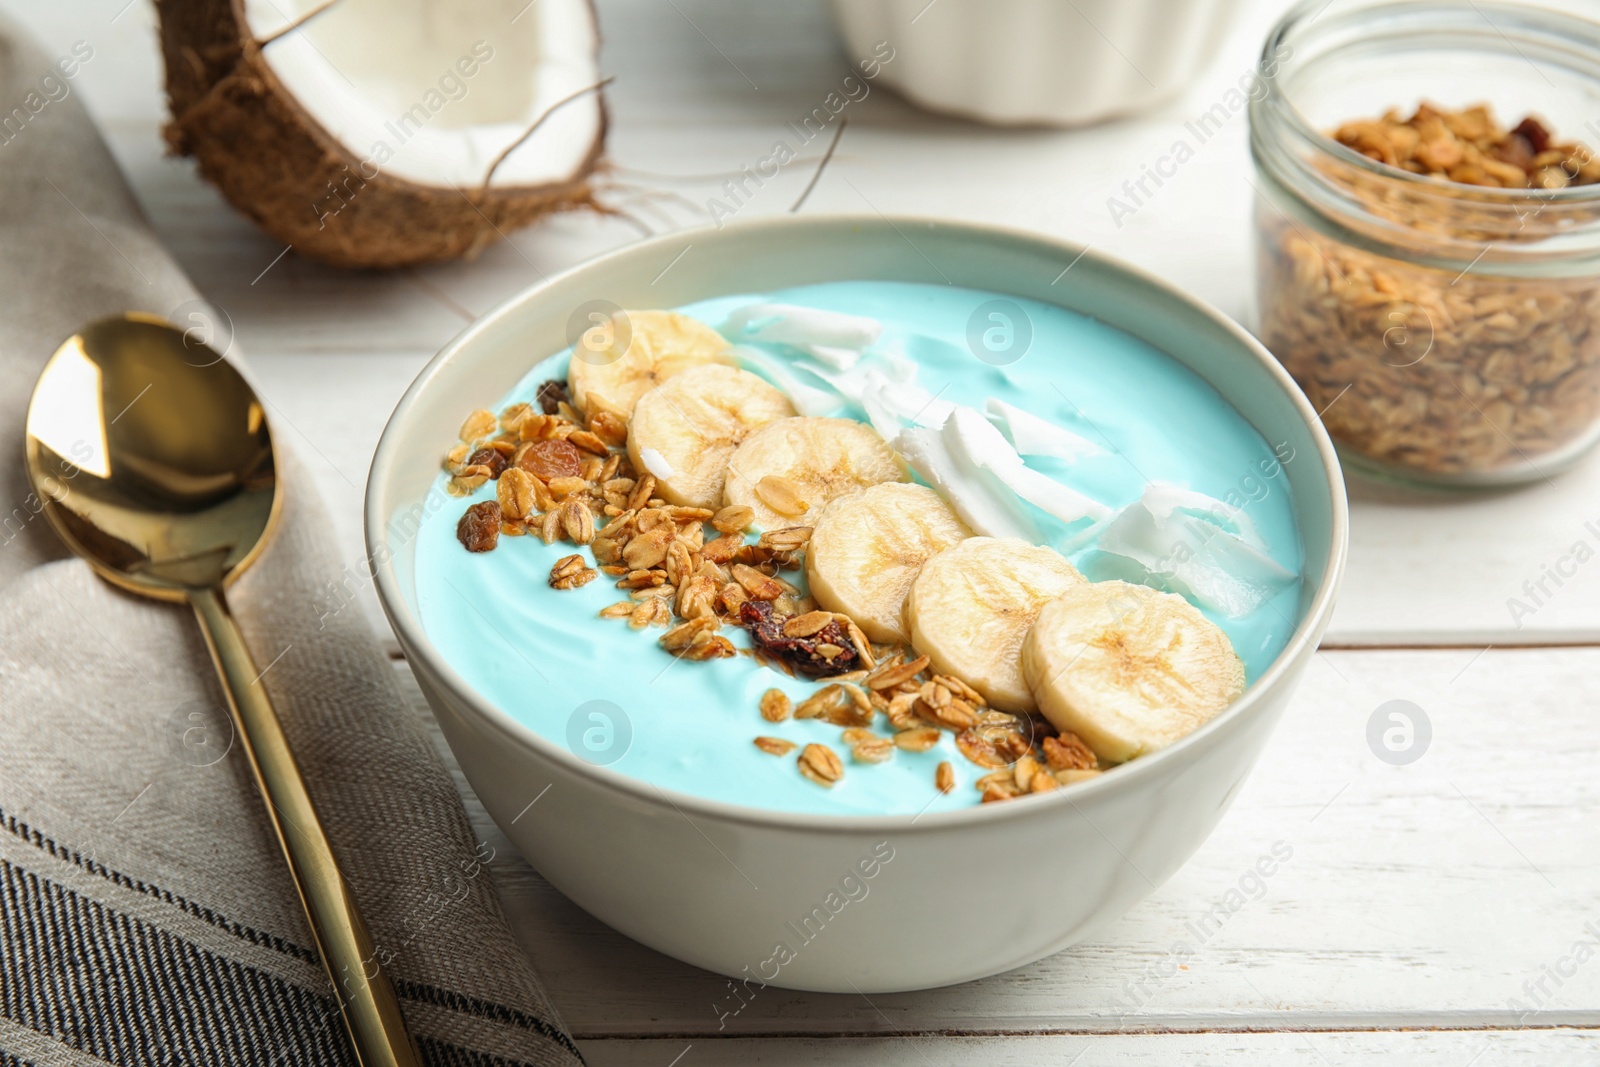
x=275 y=163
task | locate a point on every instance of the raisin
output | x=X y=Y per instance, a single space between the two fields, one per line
x=1516 y=150
x=553 y=458
x=550 y=395
x=766 y=629
x=1532 y=130
x=492 y=458
x=479 y=528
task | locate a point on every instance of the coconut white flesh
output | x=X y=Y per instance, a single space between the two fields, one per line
x=387 y=80
x=1179 y=540
x=1033 y=436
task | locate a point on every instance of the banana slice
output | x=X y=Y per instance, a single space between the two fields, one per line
x=692 y=423
x=788 y=470
x=1128 y=668
x=659 y=345
x=868 y=547
x=972 y=604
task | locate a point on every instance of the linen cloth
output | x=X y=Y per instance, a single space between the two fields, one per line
x=146 y=914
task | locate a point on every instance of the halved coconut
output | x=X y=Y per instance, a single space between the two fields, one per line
x=377 y=133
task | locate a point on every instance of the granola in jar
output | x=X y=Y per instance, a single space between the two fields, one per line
x=1430 y=277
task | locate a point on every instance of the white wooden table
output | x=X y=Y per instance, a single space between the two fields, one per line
x=1428 y=913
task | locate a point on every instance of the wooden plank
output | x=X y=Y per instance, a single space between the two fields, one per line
x=1431 y=1049
x=1502 y=569
x=1416 y=896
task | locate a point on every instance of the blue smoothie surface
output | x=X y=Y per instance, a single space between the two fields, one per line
x=616 y=698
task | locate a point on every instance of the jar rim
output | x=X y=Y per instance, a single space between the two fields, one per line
x=1275 y=105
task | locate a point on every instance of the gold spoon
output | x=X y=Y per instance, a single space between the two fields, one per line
x=155 y=464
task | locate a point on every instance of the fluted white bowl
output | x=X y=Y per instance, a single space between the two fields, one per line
x=1038 y=62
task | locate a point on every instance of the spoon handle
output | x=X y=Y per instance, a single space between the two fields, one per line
x=366 y=998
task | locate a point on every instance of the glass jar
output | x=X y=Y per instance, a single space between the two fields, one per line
x=1448 y=333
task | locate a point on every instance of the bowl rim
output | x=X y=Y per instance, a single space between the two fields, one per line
x=1254 y=701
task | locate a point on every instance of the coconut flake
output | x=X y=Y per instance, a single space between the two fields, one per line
x=1033 y=436
x=655 y=463
x=914 y=404
x=885 y=387
x=807 y=399
x=982 y=502
x=833 y=356
x=806 y=328
x=881 y=411
x=889 y=402
x=898 y=366
x=848 y=383
x=930 y=410
x=1163 y=499
x=1179 y=540
x=975 y=439
x=1053 y=497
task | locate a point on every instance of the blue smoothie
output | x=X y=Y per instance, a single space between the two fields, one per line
x=548 y=660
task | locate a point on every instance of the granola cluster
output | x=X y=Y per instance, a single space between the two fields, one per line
x=1438 y=371
x=1472 y=148
x=562 y=477
x=554 y=473
x=695 y=587
x=1022 y=754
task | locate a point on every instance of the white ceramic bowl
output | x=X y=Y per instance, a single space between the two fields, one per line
x=964 y=894
x=1049 y=62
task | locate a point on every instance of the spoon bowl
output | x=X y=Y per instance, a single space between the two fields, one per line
x=154 y=462
x=152 y=457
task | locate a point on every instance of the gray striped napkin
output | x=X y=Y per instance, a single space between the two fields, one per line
x=146 y=917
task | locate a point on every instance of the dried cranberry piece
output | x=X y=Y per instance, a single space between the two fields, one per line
x=550 y=395
x=479 y=528
x=492 y=458
x=766 y=630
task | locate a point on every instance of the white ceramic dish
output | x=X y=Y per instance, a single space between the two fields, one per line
x=1041 y=62
x=967 y=893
